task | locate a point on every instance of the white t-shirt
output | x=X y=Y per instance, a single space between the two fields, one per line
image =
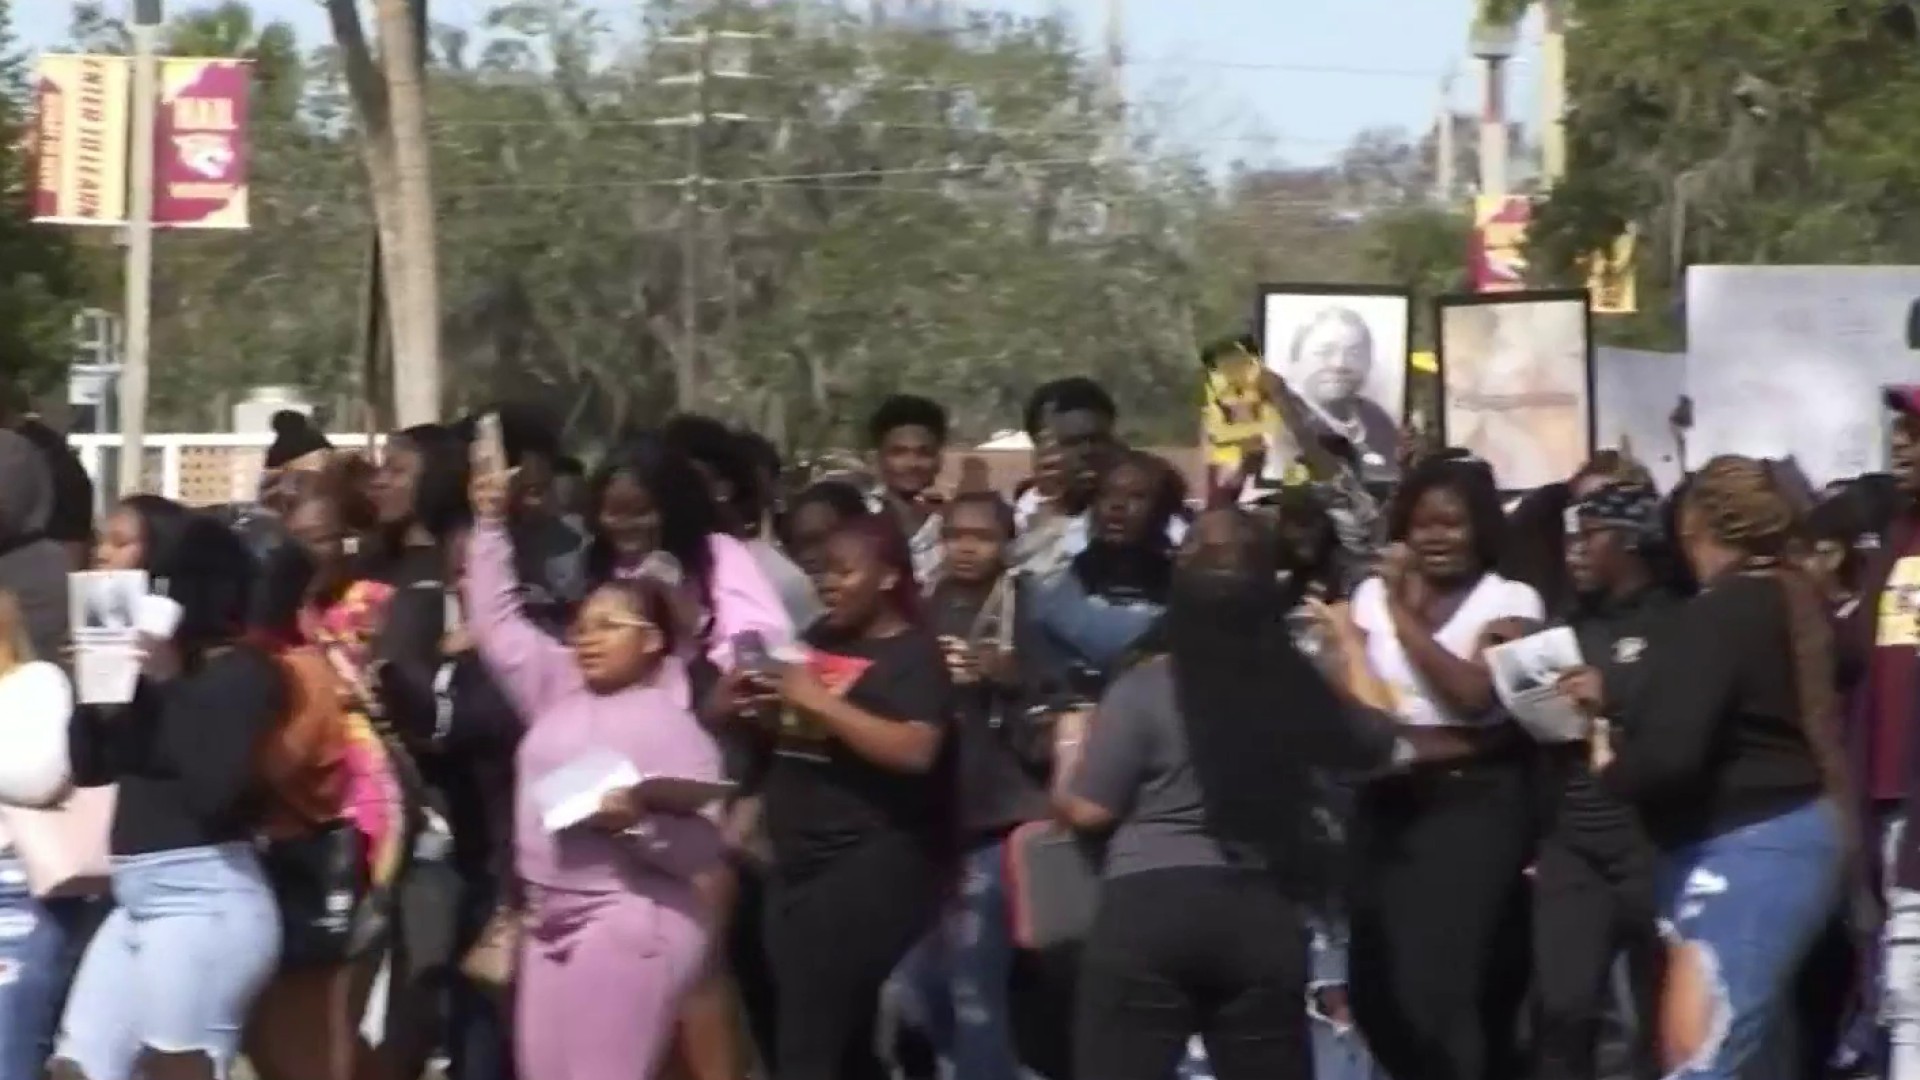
x=1492 y=599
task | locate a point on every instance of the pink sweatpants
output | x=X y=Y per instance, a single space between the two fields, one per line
x=600 y=983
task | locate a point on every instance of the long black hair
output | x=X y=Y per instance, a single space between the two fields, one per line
x=162 y=523
x=210 y=573
x=688 y=516
x=440 y=494
x=1263 y=726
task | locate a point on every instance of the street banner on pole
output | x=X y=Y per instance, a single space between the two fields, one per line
x=1498 y=250
x=80 y=140
x=200 y=144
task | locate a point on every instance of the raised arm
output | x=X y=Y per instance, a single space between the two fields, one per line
x=533 y=669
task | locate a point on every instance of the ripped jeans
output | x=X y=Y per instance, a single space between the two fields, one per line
x=1754 y=900
x=1900 y=975
x=955 y=985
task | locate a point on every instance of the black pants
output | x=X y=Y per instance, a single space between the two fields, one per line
x=479 y=1021
x=1592 y=902
x=832 y=940
x=1438 y=912
x=1174 y=953
x=747 y=957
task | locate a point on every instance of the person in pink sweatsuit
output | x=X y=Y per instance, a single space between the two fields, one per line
x=614 y=932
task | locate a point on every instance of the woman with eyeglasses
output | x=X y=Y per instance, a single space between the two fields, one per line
x=616 y=930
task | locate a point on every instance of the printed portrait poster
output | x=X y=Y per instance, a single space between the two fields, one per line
x=1515 y=373
x=1343 y=349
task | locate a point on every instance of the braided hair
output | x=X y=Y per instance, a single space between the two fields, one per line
x=1740 y=504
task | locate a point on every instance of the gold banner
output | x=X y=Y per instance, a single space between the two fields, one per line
x=1611 y=280
x=80 y=140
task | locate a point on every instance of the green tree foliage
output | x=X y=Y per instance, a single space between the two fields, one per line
x=883 y=208
x=40 y=282
x=1735 y=131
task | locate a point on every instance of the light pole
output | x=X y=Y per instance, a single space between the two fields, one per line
x=1493 y=44
x=1553 y=92
x=1443 y=152
x=719 y=54
x=145 y=31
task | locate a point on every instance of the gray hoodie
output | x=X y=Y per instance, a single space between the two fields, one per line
x=32 y=567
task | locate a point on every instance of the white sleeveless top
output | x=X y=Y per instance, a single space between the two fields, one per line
x=1417 y=704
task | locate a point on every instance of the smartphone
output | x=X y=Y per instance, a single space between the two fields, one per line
x=489 y=446
x=750 y=653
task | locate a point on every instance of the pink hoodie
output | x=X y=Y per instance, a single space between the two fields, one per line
x=650 y=724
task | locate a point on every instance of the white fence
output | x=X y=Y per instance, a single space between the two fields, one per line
x=196 y=468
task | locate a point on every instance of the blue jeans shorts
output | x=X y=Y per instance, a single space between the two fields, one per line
x=1753 y=900
x=177 y=966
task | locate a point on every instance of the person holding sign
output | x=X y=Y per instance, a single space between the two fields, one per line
x=591 y=1006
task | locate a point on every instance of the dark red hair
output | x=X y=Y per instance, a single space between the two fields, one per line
x=882 y=535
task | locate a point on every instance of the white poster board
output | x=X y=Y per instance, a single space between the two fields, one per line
x=1634 y=394
x=1788 y=361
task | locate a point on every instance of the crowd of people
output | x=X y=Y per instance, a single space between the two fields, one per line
x=691 y=763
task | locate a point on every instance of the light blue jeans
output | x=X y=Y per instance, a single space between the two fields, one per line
x=177 y=966
x=1753 y=900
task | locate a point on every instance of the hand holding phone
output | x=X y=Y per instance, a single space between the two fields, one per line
x=487 y=460
x=489 y=446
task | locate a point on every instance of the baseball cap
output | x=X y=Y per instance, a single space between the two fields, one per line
x=1903 y=399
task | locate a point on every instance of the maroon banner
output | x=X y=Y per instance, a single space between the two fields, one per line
x=200 y=144
x=1498 y=256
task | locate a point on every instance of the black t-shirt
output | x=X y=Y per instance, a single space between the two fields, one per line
x=1713 y=742
x=1617 y=636
x=183 y=753
x=822 y=799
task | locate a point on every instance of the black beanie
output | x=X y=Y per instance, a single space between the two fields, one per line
x=294 y=437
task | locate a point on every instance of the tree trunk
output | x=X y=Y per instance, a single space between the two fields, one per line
x=416 y=385
x=413 y=265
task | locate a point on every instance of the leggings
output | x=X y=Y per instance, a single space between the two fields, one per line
x=600 y=982
x=1193 y=950
x=1438 y=912
x=833 y=938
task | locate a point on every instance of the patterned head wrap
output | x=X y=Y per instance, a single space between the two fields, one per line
x=1621 y=504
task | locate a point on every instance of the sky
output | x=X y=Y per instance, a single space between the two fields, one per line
x=1256 y=80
